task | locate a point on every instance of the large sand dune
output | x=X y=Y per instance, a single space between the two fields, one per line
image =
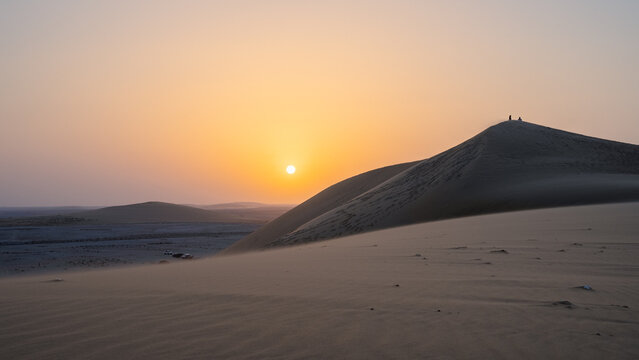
x=500 y=286
x=510 y=166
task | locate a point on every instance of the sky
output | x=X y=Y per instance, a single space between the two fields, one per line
x=201 y=102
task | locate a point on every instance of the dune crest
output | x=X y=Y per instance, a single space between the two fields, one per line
x=510 y=166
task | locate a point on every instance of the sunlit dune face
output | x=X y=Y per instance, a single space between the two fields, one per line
x=290 y=169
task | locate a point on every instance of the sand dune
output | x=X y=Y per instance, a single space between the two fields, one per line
x=166 y=212
x=510 y=166
x=498 y=286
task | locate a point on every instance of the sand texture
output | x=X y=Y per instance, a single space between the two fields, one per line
x=498 y=286
x=510 y=166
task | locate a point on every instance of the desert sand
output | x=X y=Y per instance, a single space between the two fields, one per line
x=513 y=165
x=498 y=286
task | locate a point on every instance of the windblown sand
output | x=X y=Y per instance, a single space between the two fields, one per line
x=441 y=290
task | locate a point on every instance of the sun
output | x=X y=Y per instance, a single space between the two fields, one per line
x=290 y=169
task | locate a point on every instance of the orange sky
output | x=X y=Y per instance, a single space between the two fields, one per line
x=205 y=102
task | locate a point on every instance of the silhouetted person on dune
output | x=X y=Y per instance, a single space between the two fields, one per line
x=510 y=117
x=519 y=119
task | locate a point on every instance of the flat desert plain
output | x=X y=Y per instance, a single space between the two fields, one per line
x=500 y=286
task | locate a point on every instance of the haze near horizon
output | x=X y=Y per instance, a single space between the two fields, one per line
x=207 y=102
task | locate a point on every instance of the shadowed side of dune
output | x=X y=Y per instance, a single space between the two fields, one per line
x=510 y=166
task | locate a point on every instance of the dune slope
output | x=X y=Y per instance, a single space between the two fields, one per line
x=510 y=166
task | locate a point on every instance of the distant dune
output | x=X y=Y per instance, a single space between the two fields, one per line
x=510 y=166
x=166 y=212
